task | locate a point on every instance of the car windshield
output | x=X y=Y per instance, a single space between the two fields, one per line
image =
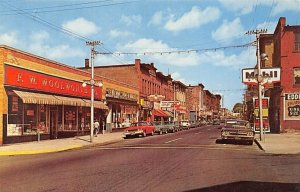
x=138 y=124
x=236 y=123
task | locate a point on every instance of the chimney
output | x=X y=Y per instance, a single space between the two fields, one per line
x=87 y=63
x=152 y=64
x=138 y=64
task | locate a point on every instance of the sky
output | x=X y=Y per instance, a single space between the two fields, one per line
x=196 y=41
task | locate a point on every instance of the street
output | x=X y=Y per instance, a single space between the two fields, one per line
x=189 y=160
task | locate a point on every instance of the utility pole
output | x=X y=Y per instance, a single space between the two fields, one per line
x=257 y=33
x=92 y=82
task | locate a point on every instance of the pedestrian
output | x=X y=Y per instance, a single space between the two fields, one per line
x=96 y=127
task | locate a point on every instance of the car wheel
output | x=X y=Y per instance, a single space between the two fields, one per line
x=250 y=142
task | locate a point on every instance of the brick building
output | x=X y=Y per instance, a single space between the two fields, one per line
x=283 y=50
x=284 y=96
x=195 y=101
x=152 y=85
x=211 y=105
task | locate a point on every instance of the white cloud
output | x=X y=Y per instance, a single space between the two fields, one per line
x=244 y=7
x=115 y=33
x=193 y=19
x=286 y=5
x=228 y=30
x=39 y=47
x=131 y=19
x=156 y=18
x=81 y=26
x=9 y=39
x=219 y=58
x=150 y=45
x=177 y=76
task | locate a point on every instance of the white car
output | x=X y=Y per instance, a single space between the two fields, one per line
x=185 y=124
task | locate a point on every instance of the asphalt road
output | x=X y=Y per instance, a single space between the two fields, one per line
x=189 y=160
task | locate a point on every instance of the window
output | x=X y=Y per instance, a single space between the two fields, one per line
x=297 y=41
x=297 y=76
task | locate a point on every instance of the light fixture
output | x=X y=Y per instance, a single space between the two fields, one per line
x=84 y=84
x=264 y=56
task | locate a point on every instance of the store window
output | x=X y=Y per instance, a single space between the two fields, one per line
x=30 y=119
x=297 y=76
x=297 y=41
x=70 y=123
x=84 y=118
x=42 y=119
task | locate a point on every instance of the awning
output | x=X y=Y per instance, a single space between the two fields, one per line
x=38 y=98
x=159 y=113
x=72 y=101
x=97 y=104
x=169 y=113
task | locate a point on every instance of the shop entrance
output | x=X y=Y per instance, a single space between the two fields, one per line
x=53 y=122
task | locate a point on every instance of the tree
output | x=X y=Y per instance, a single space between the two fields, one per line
x=238 y=108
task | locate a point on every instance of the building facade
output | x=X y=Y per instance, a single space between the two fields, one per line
x=152 y=86
x=195 y=101
x=284 y=96
x=43 y=99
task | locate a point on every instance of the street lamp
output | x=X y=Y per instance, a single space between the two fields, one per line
x=92 y=83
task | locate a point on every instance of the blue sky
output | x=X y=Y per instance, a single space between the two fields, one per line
x=151 y=26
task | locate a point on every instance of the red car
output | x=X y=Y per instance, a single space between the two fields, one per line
x=139 y=128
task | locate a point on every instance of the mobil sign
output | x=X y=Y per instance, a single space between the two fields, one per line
x=269 y=75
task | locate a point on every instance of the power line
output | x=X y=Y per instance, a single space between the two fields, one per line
x=176 y=51
x=40 y=10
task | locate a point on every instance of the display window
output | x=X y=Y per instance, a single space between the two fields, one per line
x=70 y=121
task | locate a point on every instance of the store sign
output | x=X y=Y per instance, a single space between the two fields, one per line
x=265 y=114
x=166 y=104
x=23 y=78
x=121 y=95
x=292 y=106
x=270 y=75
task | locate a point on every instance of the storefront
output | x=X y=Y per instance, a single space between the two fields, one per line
x=123 y=108
x=42 y=106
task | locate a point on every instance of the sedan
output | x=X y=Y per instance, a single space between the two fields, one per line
x=139 y=129
x=237 y=130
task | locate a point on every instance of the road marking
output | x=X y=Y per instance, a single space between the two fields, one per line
x=173 y=140
x=198 y=133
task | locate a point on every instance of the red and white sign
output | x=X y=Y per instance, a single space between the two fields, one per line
x=24 y=78
x=269 y=75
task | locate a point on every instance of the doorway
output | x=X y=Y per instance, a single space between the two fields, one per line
x=53 y=122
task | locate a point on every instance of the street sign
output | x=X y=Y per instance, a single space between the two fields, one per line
x=269 y=75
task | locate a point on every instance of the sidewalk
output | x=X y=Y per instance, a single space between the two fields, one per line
x=283 y=143
x=48 y=146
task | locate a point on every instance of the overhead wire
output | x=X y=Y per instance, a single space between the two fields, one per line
x=37 y=10
x=55 y=27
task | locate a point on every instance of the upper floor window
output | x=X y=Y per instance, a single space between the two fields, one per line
x=297 y=41
x=297 y=76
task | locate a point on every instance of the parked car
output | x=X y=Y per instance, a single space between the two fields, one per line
x=139 y=129
x=203 y=123
x=237 y=130
x=194 y=124
x=216 y=122
x=185 y=124
x=174 y=126
x=161 y=127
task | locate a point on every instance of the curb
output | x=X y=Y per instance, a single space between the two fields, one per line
x=259 y=145
x=32 y=152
